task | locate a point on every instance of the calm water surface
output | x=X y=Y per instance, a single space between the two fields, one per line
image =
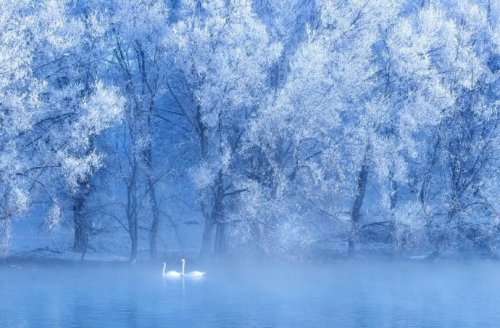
x=346 y=294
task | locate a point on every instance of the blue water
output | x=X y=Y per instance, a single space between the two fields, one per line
x=345 y=294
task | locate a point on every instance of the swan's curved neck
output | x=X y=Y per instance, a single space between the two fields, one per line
x=164 y=267
x=183 y=266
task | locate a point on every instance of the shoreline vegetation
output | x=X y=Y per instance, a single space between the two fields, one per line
x=48 y=257
x=295 y=129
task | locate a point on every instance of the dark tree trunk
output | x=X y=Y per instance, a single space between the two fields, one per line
x=220 y=239
x=150 y=176
x=153 y=201
x=424 y=188
x=81 y=225
x=356 y=207
x=206 y=244
x=133 y=248
x=153 y=232
x=393 y=190
x=218 y=217
x=207 y=209
x=4 y=236
x=133 y=239
x=212 y=219
x=132 y=209
x=445 y=238
x=81 y=220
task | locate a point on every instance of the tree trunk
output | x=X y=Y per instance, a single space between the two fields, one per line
x=424 y=188
x=393 y=196
x=445 y=237
x=132 y=208
x=81 y=220
x=133 y=238
x=153 y=201
x=5 y=236
x=133 y=248
x=81 y=225
x=220 y=239
x=212 y=219
x=218 y=217
x=153 y=232
x=206 y=244
x=356 y=207
x=148 y=162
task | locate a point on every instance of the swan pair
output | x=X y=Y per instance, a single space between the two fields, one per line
x=175 y=274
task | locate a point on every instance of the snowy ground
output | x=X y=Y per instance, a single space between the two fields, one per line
x=32 y=240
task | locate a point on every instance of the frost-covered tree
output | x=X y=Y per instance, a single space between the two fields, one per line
x=462 y=47
x=224 y=53
x=78 y=103
x=296 y=122
x=324 y=117
x=131 y=34
x=413 y=94
x=57 y=114
x=19 y=102
x=426 y=57
x=286 y=23
x=469 y=135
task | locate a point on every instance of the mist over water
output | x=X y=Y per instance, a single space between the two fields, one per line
x=342 y=294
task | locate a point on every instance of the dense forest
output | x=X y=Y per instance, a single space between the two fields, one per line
x=292 y=129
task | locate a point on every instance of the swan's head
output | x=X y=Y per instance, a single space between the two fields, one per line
x=164 y=264
x=183 y=260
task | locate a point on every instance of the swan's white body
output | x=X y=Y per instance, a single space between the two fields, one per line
x=170 y=274
x=192 y=274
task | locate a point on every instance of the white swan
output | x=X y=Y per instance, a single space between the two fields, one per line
x=170 y=274
x=192 y=274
